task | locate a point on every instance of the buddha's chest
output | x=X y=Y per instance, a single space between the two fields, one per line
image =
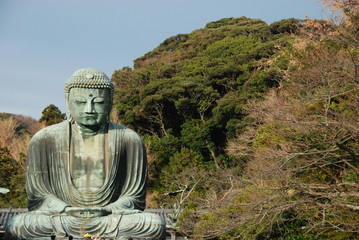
x=88 y=162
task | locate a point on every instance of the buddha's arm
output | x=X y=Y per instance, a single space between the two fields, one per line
x=41 y=199
x=39 y=182
x=51 y=205
x=132 y=198
x=124 y=205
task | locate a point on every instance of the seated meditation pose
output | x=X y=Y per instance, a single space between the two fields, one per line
x=86 y=175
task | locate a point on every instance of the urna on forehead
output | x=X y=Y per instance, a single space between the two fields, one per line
x=89 y=78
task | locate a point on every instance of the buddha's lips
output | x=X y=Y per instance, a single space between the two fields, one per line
x=89 y=116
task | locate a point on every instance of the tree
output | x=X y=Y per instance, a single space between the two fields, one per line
x=14 y=138
x=189 y=98
x=298 y=145
x=189 y=92
x=302 y=171
x=15 y=134
x=52 y=115
x=12 y=177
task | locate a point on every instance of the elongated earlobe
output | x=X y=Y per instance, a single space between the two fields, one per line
x=69 y=117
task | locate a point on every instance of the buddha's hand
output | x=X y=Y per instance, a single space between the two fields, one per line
x=125 y=211
x=87 y=212
x=43 y=212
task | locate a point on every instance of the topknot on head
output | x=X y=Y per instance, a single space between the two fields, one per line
x=89 y=78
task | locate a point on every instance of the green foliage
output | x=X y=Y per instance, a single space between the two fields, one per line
x=184 y=159
x=52 y=115
x=12 y=178
x=4 y=115
x=290 y=25
x=189 y=92
x=256 y=126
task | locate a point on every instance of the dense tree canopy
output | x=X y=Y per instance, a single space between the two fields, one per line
x=253 y=126
x=52 y=115
x=189 y=92
x=12 y=177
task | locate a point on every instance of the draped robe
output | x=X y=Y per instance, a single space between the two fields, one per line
x=50 y=189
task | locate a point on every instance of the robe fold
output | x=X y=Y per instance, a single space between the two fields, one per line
x=50 y=189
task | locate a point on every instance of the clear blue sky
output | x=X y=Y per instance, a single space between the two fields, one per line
x=42 y=42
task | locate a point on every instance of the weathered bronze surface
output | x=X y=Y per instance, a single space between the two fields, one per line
x=86 y=175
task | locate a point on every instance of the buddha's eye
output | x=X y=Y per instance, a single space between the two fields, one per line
x=99 y=100
x=79 y=100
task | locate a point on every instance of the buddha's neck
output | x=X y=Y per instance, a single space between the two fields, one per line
x=90 y=130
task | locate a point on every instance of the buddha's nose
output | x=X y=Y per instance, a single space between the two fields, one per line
x=89 y=107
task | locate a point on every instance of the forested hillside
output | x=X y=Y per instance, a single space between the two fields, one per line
x=15 y=133
x=187 y=96
x=252 y=129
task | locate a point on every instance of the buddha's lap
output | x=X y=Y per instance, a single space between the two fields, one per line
x=47 y=224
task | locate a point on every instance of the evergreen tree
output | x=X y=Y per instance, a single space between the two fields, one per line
x=52 y=115
x=12 y=177
x=254 y=126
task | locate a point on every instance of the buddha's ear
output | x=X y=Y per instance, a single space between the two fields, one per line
x=110 y=110
x=69 y=117
x=111 y=102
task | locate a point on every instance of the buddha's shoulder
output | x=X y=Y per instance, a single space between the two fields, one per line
x=126 y=132
x=52 y=131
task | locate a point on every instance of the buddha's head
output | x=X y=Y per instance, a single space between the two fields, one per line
x=89 y=97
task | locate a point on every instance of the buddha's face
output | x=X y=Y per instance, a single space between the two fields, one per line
x=89 y=107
